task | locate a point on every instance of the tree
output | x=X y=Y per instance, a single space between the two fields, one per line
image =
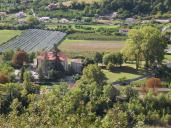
x=146 y=43
x=113 y=58
x=110 y=92
x=19 y=58
x=93 y=73
x=115 y=118
x=32 y=21
x=27 y=78
x=98 y=57
x=133 y=48
x=153 y=46
x=3 y=78
x=7 y=55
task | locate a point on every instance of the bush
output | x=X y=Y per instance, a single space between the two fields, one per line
x=110 y=67
x=3 y=79
x=153 y=83
x=114 y=58
x=19 y=58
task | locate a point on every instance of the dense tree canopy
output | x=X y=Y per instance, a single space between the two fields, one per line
x=147 y=44
x=85 y=105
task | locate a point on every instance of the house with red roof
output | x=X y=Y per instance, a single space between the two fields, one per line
x=48 y=60
x=52 y=60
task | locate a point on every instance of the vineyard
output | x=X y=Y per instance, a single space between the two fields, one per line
x=34 y=40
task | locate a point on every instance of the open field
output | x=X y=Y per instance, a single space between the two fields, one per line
x=6 y=35
x=91 y=46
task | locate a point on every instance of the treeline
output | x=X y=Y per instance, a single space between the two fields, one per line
x=131 y=7
x=126 y=8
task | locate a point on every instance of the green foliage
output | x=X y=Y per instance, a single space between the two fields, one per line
x=146 y=44
x=7 y=55
x=115 y=118
x=92 y=73
x=85 y=105
x=113 y=58
x=98 y=57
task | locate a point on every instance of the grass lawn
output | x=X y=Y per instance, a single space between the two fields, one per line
x=168 y=57
x=169 y=46
x=115 y=76
x=6 y=35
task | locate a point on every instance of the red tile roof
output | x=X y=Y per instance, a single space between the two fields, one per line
x=51 y=56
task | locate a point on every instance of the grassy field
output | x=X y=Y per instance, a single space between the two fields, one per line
x=169 y=46
x=167 y=57
x=115 y=76
x=91 y=46
x=6 y=35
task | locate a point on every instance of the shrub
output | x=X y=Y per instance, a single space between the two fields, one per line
x=19 y=58
x=110 y=67
x=3 y=78
x=153 y=83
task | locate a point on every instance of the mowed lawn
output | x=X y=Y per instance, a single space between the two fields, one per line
x=6 y=35
x=169 y=46
x=115 y=76
x=91 y=46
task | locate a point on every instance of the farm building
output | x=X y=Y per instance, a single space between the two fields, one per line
x=76 y=65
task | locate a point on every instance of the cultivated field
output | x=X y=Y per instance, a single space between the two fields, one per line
x=34 y=40
x=6 y=35
x=91 y=46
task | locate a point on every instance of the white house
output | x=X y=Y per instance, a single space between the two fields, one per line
x=64 y=21
x=163 y=20
x=114 y=14
x=130 y=21
x=44 y=19
x=20 y=15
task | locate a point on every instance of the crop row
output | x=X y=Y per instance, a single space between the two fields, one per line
x=34 y=40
